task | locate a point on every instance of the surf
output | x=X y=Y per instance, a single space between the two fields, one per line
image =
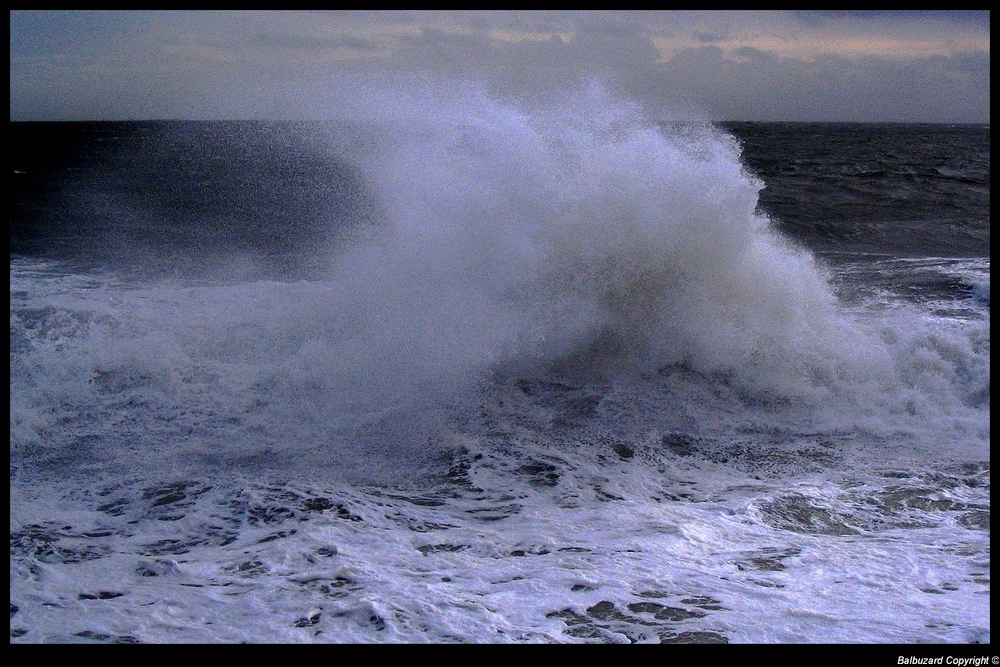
x=581 y=236
x=576 y=241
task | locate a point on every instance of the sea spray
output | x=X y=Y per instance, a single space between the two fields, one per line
x=583 y=236
x=558 y=382
x=580 y=242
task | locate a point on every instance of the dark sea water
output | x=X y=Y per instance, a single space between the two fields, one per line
x=475 y=374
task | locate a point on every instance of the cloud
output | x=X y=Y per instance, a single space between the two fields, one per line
x=763 y=65
x=749 y=83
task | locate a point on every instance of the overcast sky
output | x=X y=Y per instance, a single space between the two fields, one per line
x=931 y=66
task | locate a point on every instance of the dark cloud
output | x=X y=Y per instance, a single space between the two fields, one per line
x=709 y=37
x=751 y=53
x=757 y=85
x=978 y=17
x=756 y=65
x=288 y=41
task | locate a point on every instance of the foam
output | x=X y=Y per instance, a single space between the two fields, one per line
x=579 y=239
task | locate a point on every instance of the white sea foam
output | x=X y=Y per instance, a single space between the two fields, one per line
x=600 y=399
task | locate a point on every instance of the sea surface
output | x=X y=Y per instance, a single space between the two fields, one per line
x=470 y=373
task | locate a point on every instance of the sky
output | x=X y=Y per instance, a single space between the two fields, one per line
x=869 y=66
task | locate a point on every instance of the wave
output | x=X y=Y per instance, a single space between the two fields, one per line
x=578 y=241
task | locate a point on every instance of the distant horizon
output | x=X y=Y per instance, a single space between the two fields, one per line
x=335 y=120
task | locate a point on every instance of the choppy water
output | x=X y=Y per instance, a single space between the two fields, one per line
x=467 y=373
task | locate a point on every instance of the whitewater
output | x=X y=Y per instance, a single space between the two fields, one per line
x=551 y=375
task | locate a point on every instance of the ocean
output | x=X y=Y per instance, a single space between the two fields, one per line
x=471 y=373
